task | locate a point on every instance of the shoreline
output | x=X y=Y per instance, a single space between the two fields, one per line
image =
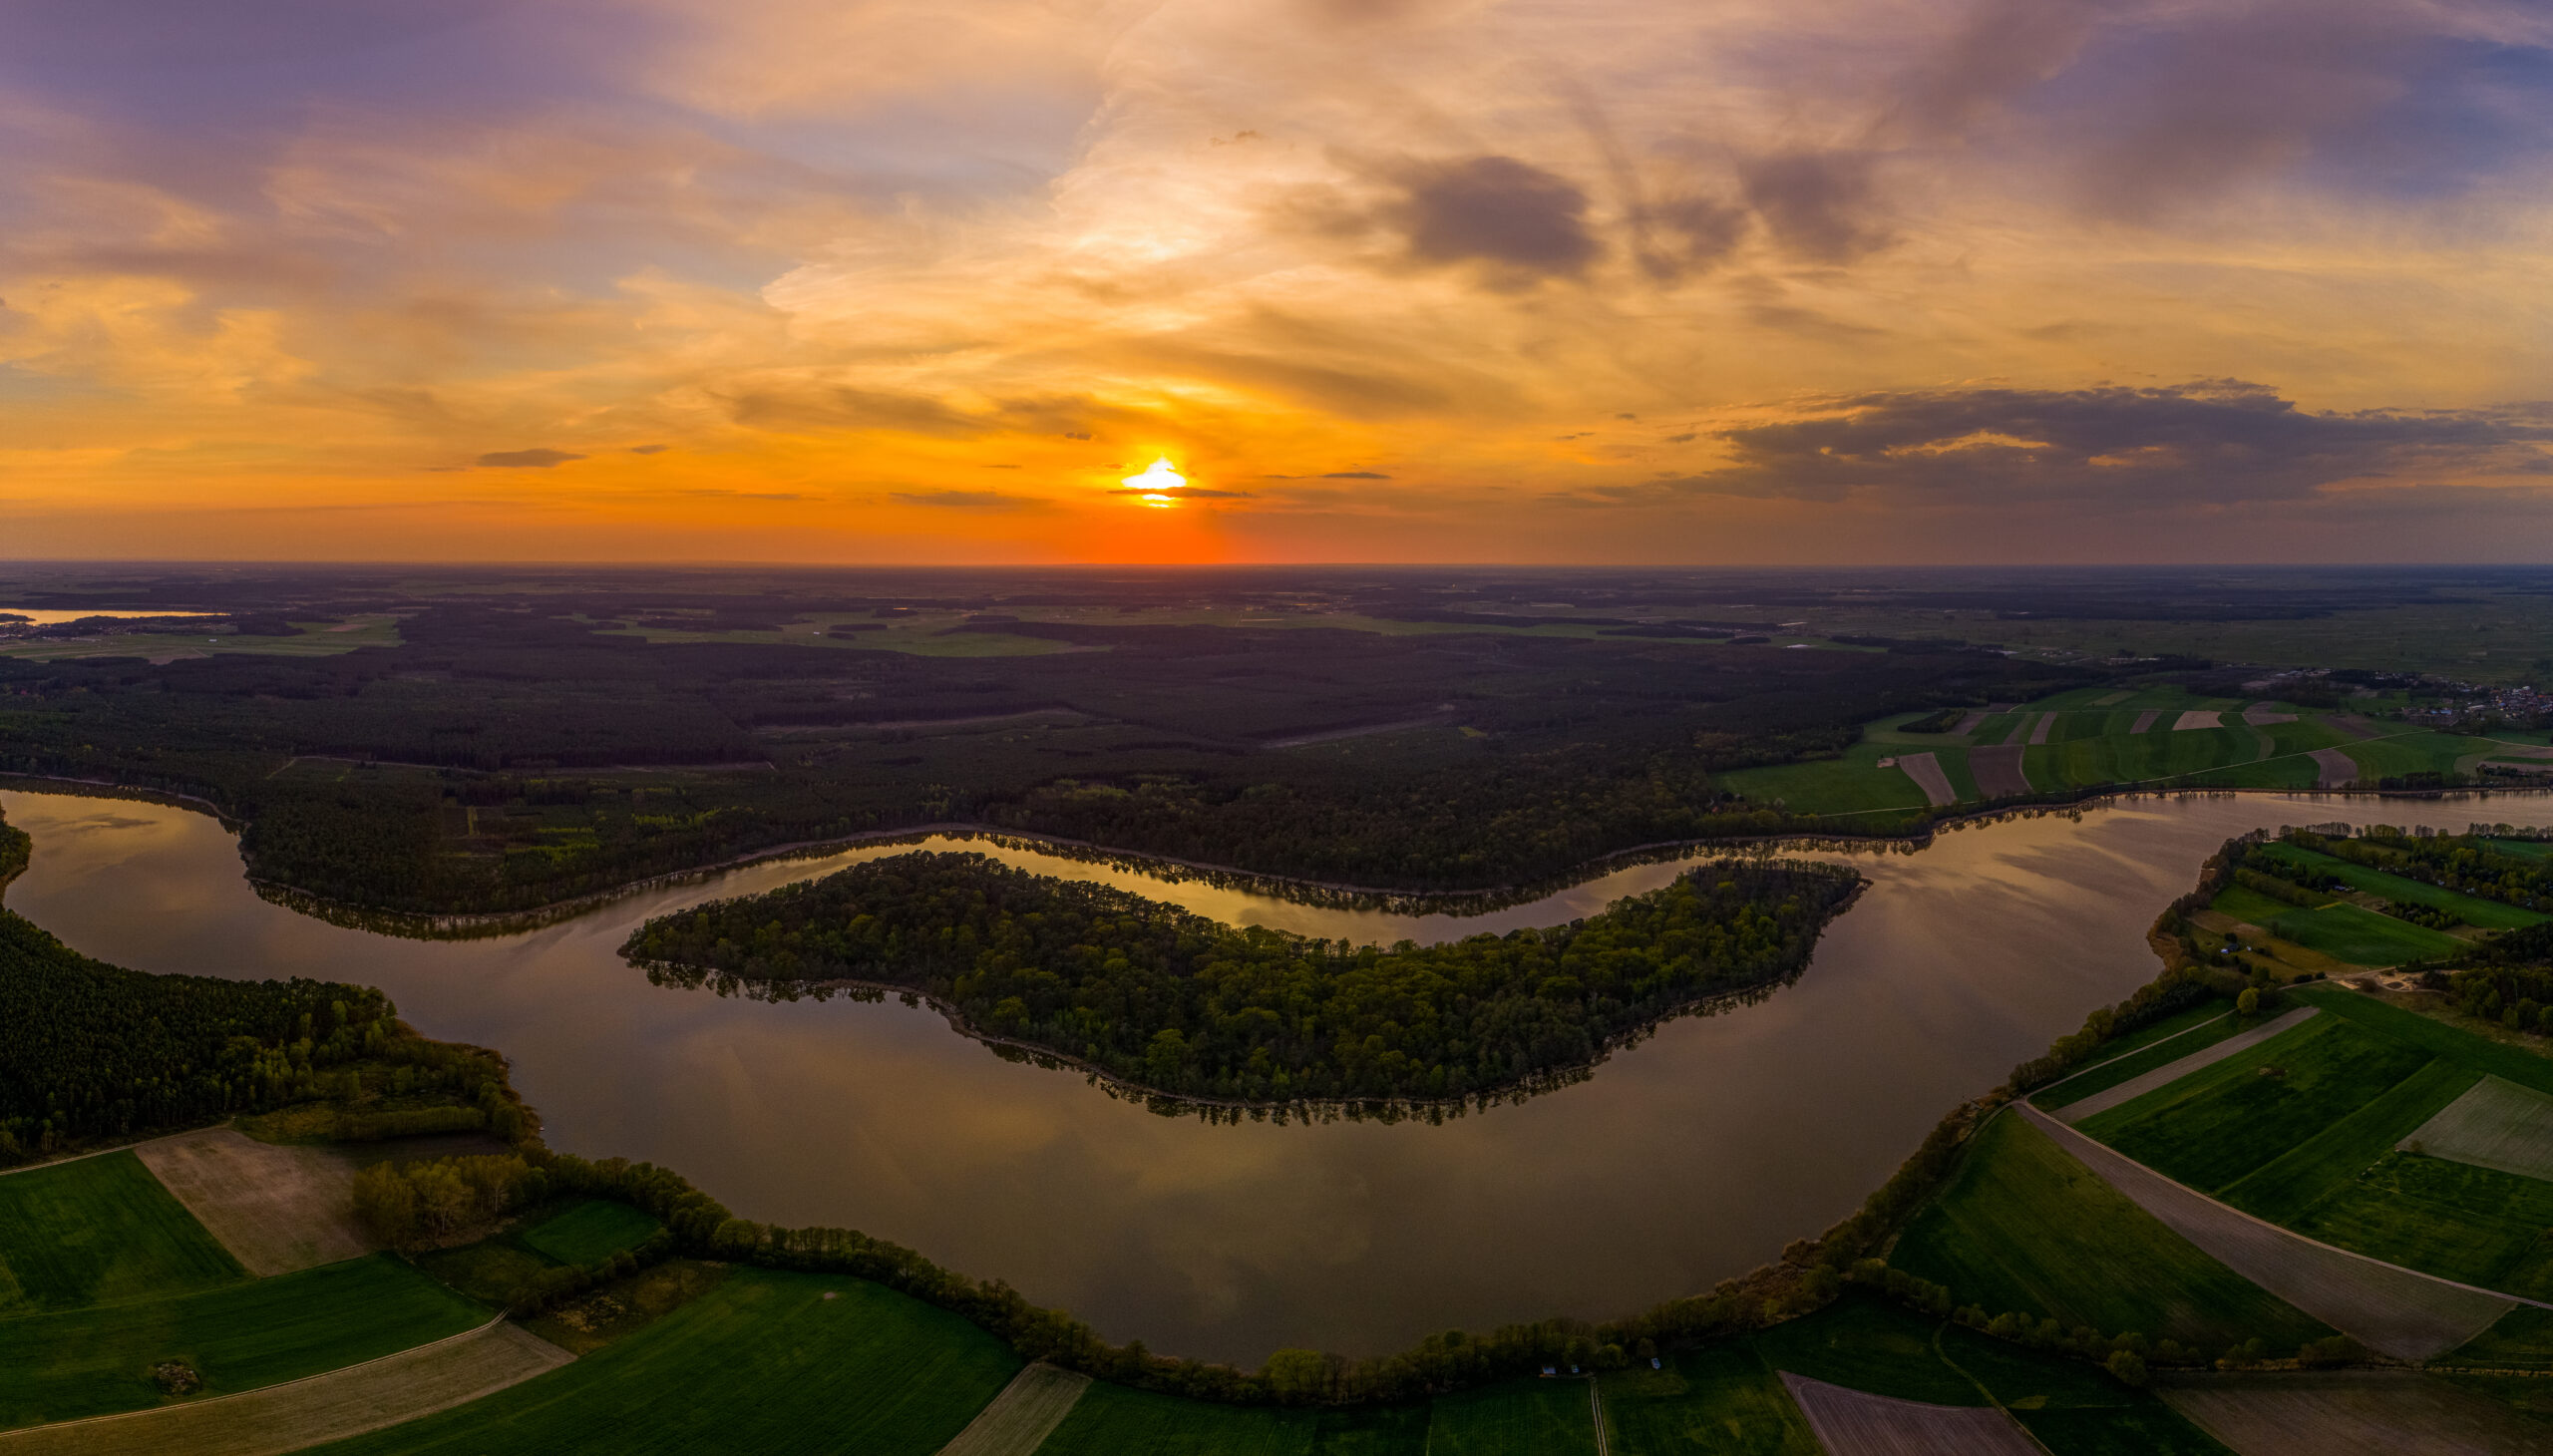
x=475 y=925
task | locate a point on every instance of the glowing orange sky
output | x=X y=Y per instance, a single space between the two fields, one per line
x=1427 y=279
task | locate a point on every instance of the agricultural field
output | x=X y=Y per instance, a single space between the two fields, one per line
x=2498 y=1124
x=276 y=1209
x=766 y=1361
x=2319 y=1413
x=2142 y=1050
x=1111 y=1420
x=2221 y=1122
x=1854 y=1422
x=2324 y=1129
x=100 y=1228
x=2488 y=914
x=2131 y=1077
x=1025 y=1413
x=2024 y=1226
x=1720 y=1398
x=75 y=1363
x=2160 y=738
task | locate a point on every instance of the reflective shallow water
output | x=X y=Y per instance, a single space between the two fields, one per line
x=1693 y=1156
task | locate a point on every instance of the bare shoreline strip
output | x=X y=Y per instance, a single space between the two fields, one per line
x=307 y=1412
x=1850 y=1422
x=1023 y=1415
x=1926 y=770
x=2387 y=1309
x=2170 y=1072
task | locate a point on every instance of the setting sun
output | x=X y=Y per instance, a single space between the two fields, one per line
x=1160 y=483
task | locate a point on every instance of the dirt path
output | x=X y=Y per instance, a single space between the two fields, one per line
x=1855 y=1423
x=1438 y=719
x=2352 y=1413
x=2170 y=1072
x=2333 y=769
x=301 y=1413
x=1998 y=771
x=1926 y=770
x=275 y=1209
x=1021 y=1418
x=2390 y=1309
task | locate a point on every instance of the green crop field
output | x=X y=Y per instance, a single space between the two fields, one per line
x=1399 y=1430
x=2283 y=1188
x=1721 y=1400
x=2524 y=848
x=2214 y=1126
x=764 y=1362
x=2410 y=1028
x=1852 y=784
x=2477 y=1225
x=2411 y=753
x=2190 y=1032
x=2251 y=906
x=2362 y=937
x=96 y=1229
x=1111 y=1420
x=85 y=1362
x=2025 y=1226
x=1518 y=1418
x=596 y=1229
x=2490 y=914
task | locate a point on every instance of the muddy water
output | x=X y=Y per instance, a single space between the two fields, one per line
x=1693 y=1156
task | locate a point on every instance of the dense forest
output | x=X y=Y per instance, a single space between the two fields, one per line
x=93 y=1051
x=516 y=749
x=1173 y=1002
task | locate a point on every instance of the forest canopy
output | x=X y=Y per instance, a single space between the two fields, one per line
x=1155 y=996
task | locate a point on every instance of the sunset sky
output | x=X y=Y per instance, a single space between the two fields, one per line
x=1398 y=280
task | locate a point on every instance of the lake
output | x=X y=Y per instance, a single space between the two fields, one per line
x=1687 y=1158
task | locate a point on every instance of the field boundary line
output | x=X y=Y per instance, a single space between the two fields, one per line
x=126 y=1415
x=2123 y=1057
x=1990 y=1398
x=2052 y=1125
x=118 y=1148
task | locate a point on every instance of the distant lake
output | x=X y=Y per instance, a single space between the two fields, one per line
x=47 y=617
x=1687 y=1158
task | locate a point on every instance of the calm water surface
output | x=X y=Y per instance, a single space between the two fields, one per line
x=1690 y=1158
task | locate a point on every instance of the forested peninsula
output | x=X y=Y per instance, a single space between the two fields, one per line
x=1154 y=997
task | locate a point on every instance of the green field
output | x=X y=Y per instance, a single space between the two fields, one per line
x=1517 y=1418
x=2284 y=1188
x=2473 y=1225
x=1111 y=1420
x=2216 y=1125
x=2092 y=743
x=85 y=1362
x=2490 y=914
x=2362 y=937
x=764 y=1362
x=2252 y=906
x=98 y=1229
x=2159 y=1045
x=2025 y=1226
x=593 y=1229
x=1721 y=1400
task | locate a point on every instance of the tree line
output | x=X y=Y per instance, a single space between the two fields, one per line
x=1173 y=1002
